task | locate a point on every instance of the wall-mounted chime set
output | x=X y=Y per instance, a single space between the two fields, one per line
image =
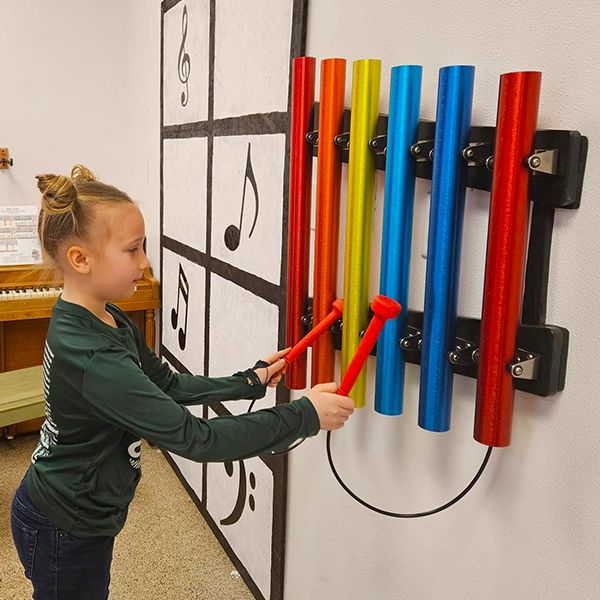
x=510 y=347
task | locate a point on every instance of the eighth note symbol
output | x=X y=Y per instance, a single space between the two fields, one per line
x=183 y=289
x=233 y=233
x=240 y=502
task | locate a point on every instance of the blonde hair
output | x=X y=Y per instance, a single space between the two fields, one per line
x=68 y=205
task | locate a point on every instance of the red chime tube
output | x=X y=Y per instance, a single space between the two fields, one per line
x=506 y=252
x=329 y=176
x=303 y=96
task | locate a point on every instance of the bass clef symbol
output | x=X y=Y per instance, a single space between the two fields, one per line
x=240 y=502
x=184 y=63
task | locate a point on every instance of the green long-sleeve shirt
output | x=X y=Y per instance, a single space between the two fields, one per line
x=104 y=391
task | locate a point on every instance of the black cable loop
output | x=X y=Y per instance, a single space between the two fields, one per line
x=381 y=511
x=388 y=513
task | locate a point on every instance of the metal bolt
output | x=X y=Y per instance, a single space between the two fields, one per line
x=431 y=154
x=416 y=149
x=469 y=153
x=475 y=356
x=454 y=357
x=535 y=162
x=489 y=163
x=518 y=370
x=405 y=344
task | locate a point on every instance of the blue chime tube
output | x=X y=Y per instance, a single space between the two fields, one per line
x=446 y=213
x=403 y=123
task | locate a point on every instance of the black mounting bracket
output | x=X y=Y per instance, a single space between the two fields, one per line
x=540 y=366
x=557 y=163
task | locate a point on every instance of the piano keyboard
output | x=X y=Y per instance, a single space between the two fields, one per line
x=26 y=293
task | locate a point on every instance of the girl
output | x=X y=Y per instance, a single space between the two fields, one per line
x=105 y=390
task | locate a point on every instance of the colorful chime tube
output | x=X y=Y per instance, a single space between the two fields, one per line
x=403 y=123
x=303 y=96
x=516 y=124
x=453 y=118
x=359 y=213
x=327 y=220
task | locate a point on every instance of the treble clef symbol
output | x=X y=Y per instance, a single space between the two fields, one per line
x=184 y=64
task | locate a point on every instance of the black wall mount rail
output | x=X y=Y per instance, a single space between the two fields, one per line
x=542 y=351
x=557 y=168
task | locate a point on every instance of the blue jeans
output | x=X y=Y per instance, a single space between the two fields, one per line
x=60 y=566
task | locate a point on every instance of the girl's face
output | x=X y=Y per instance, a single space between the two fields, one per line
x=118 y=260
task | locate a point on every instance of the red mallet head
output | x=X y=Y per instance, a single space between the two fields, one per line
x=338 y=306
x=385 y=307
x=316 y=331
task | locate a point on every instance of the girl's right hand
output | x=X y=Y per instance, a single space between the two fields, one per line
x=333 y=409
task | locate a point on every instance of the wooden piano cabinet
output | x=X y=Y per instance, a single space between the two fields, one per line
x=24 y=322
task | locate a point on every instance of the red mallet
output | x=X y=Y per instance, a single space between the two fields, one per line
x=384 y=308
x=316 y=331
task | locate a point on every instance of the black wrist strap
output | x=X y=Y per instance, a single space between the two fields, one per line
x=251 y=377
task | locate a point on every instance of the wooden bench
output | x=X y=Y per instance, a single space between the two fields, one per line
x=21 y=398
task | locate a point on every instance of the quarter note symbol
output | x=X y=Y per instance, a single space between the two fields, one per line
x=183 y=289
x=240 y=502
x=233 y=233
x=183 y=61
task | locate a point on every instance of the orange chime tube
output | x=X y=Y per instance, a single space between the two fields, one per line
x=329 y=175
x=303 y=96
x=505 y=261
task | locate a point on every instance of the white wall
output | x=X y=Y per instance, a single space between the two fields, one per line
x=80 y=84
x=529 y=529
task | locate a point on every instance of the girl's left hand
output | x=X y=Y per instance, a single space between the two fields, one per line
x=272 y=374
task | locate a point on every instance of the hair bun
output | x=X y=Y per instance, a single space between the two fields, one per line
x=58 y=193
x=81 y=173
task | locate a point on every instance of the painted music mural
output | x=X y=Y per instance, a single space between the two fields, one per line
x=224 y=179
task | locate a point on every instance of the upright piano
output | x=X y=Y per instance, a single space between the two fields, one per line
x=27 y=295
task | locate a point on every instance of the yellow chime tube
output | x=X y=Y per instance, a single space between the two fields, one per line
x=359 y=213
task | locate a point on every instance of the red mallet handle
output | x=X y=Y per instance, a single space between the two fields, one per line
x=315 y=332
x=384 y=308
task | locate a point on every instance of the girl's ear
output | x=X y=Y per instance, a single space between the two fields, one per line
x=77 y=260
